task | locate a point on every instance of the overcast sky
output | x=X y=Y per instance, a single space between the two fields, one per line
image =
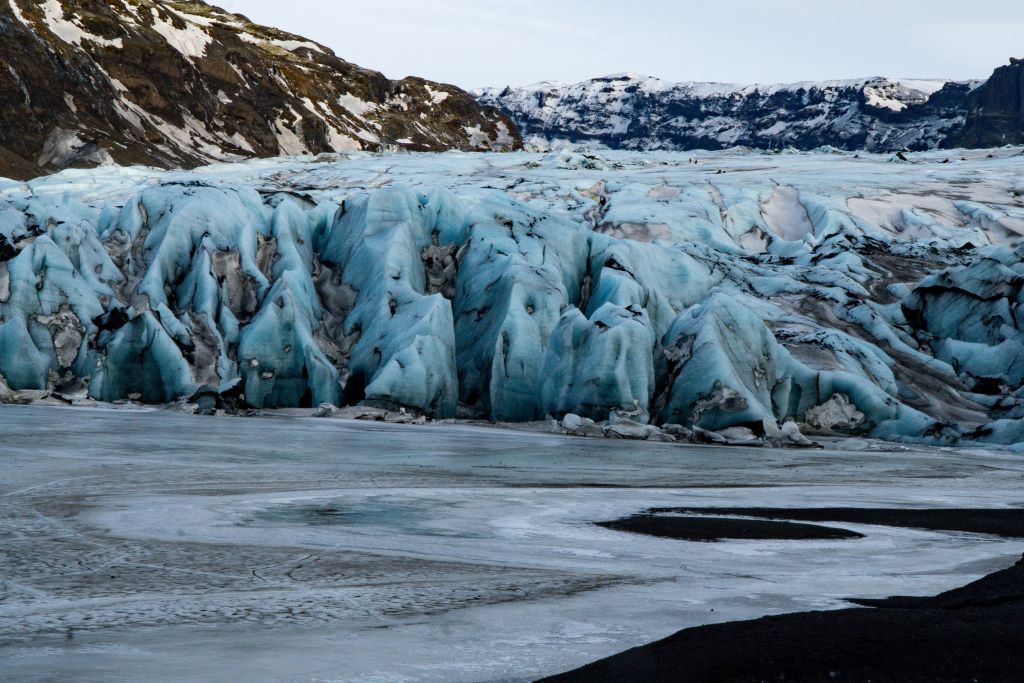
x=474 y=43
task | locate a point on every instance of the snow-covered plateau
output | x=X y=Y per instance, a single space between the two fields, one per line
x=724 y=296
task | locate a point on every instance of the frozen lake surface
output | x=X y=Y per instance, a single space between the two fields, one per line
x=174 y=547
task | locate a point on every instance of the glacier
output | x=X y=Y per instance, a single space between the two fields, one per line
x=646 y=294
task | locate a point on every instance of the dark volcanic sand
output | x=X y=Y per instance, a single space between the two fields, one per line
x=719 y=528
x=923 y=644
x=973 y=633
x=1008 y=523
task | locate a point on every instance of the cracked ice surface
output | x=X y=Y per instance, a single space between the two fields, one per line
x=855 y=293
x=286 y=548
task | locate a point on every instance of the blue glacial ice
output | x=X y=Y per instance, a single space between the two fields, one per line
x=843 y=293
x=402 y=337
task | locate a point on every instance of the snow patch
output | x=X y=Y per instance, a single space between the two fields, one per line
x=69 y=31
x=190 y=41
x=437 y=96
x=355 y=105
x=289 y=143
x=477 y=137
x=63 y=147
x=293 y=45
x=289 y=45
x=17 y=12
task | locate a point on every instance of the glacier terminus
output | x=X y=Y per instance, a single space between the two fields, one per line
x=656 y=294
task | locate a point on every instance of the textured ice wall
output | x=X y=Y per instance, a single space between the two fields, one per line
x=560 y=284
x=402 y=337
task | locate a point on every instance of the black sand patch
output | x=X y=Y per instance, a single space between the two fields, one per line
x=1008 y=523
x=722 y=528
x=974 y=633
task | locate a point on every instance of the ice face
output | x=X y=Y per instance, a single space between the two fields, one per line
x=404 y=353
x=44 y=292
x=729 y=369
x=712 y=291
x=142 y=358
x=520 y=271
x=599 y=364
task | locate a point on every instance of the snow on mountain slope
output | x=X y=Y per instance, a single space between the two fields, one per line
x=173 y=83
x=630 y=111
x=865 y=295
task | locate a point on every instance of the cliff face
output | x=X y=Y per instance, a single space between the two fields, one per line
x=167 y=83
x=996 y=111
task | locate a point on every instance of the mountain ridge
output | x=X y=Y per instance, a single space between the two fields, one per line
x=183 y=83
x=878 y=114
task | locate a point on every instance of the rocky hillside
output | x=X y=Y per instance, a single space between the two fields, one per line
x=627 y=111
x=169 y=83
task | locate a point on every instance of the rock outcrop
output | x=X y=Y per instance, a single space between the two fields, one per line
x=996 y=111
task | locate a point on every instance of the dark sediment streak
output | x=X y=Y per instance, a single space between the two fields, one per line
x=720 y=528
x=1008 y=523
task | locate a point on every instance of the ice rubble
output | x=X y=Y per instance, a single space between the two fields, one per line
x=735 y=306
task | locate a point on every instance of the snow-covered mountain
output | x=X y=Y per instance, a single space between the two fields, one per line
x=849 y=292
x=629 y=111
x=172 y=83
